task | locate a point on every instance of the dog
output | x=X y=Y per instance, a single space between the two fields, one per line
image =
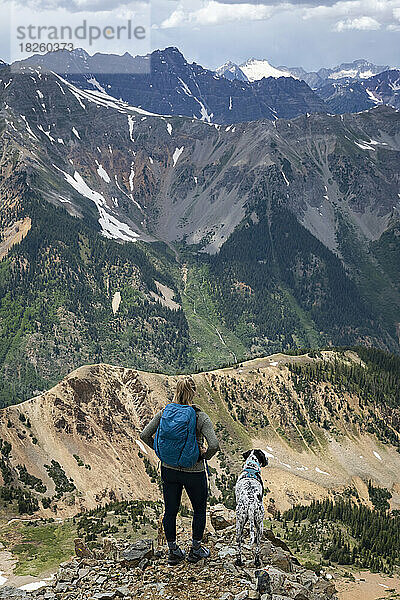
x=249 y=492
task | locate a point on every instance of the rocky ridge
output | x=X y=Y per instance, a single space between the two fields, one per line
x=138 y=571
x=89 y=425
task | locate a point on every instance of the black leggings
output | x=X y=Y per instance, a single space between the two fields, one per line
x=195 y=484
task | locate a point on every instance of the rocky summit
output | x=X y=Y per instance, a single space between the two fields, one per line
x=130 y=571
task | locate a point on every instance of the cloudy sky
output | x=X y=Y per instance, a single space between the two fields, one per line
x=310 y=33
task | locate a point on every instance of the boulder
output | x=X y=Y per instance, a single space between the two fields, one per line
x=295 y=590
x=322 y=586
x=81 y=549
x=281 y=560
x=277 y=579
x=307 y=578
x=66 y=575
x=221 y=517
x=135 y=553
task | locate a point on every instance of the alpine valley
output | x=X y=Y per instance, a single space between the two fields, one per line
x=169 y=243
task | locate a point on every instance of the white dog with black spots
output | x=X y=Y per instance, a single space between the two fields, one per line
x=249 y=492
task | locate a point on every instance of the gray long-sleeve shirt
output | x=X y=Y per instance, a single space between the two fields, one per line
x=204 y=430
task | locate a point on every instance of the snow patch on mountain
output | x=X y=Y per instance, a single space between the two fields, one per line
x=203 y=111
x=364 y=145
x=255 y=69
x=111 y=227
x=102 y=98
x=116 y=301
x=102 y=172
x=231 y=71
x=374 y=97
x=46 y=133
x=29 y=130
x=131 y=176
x=131 y=123
x=93 y=81
x=176 y=155
x=75 y=93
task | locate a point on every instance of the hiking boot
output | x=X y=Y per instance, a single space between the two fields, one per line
x=197 y=554
x=176 y=556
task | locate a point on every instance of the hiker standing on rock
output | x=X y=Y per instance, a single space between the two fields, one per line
x=177 y=436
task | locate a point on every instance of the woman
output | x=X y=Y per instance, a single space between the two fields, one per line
x=193 y=479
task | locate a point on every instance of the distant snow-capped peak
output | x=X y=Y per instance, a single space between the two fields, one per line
x=358 y=69
x=231 y=71
x=255 y=69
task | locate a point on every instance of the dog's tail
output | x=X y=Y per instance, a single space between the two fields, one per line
x=252 y=523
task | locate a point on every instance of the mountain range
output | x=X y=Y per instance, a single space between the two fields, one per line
x=164 y=82
x=169 y=243
x=349 y=87
x=254 y=69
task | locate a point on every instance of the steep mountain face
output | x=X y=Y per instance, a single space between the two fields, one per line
x=318 y=418
x=165 y=83
x=281 y=234
x=231 y=71
x=353 y=96
x=162 y=176
x=313 y=79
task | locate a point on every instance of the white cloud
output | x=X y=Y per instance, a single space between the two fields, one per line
x=362 y=15
x=217 y=13
x=360 y=23
x=342 y=15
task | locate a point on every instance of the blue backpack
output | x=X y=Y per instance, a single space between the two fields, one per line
x=175 y=441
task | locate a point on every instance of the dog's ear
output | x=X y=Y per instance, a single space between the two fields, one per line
x=247 y=454
x=262 y=458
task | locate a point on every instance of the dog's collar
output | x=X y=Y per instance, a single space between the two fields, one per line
x=253 y=465
x=251 y=470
